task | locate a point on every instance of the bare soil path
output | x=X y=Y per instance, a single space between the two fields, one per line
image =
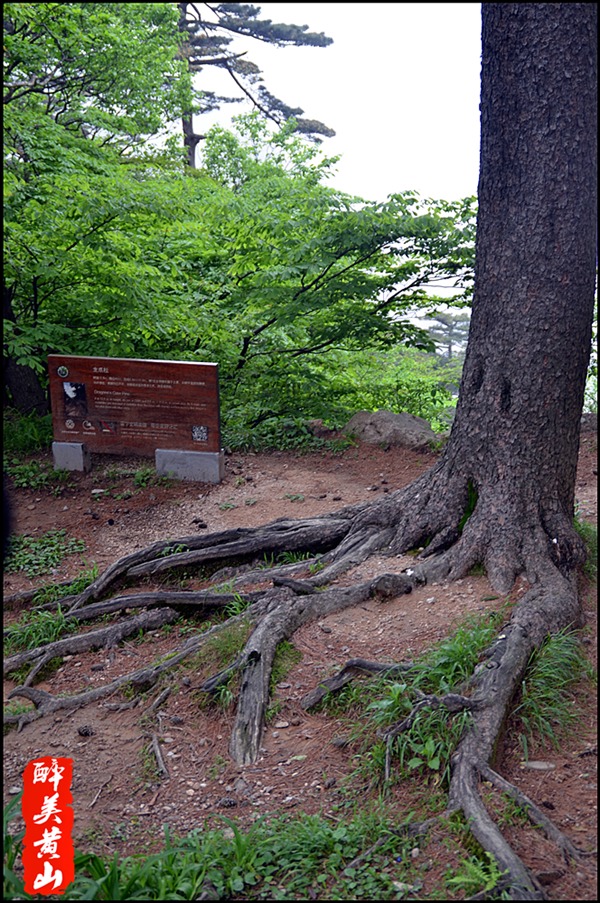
x=119 y=802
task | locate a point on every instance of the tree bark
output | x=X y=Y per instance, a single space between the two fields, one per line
x=515 y=437
x=503 y=491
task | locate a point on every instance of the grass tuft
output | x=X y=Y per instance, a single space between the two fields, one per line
x=37 y=628
x=547 y=708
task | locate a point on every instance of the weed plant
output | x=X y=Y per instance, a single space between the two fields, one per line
x=13 y=883
x=547 y=708
x=33 y=475
x=237 y=605
x=427 y=746
x=52 y=592
x=39 y=555
x=478 y=875
x=281 y=858
x=37 y=628
x=286 y=656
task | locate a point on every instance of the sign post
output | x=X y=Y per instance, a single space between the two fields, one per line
x=169 y=409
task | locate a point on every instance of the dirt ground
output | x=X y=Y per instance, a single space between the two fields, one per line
x=119 y=803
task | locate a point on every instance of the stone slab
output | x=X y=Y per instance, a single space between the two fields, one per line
x=71 y=456
x=203 y=467
x=128 y=406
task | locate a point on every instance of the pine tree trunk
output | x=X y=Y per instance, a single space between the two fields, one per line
x=515 y=437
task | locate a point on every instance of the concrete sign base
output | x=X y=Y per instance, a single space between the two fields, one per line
x=205 y=467
x=71 y=456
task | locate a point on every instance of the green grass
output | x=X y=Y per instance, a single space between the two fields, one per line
x=547 y=708
x=39 y=555
x=425 y=749
x=37 y=628
x=282 y=858
x=589 y=534
x=278 y=859
x=26 y=434
x=286 y=656
x=52 y=592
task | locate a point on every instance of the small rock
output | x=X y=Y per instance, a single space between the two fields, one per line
x=325 y=628
x=415 y=853
x=14 y=790
x=549 y=877
x=227 y=802
x=282 y=724
x=86 y=731
x=99 y=667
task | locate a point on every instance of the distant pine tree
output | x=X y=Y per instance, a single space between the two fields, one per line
x=207 y=31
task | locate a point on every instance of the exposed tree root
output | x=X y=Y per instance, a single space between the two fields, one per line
x=351 y=669
x=139 y=680
x=509 y=537
x=95 y=639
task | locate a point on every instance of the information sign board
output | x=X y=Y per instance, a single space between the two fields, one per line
x=131 y=406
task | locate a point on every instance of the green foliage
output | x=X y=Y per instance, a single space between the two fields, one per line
x=52 y=592
x=446 y=666
x=293 y=557
x=286 y=656
x=589 y=533
x=176 y=549
x=25 y=434
x=427 y=745
x=236 y=606
x=252 y=262
x=477 y=875
x=222 y=648
x=274 y=859
x=402 y=380
x=12 y=846
x=37 y=628
x=39 y=555
x=547 y=708
x=33 y=475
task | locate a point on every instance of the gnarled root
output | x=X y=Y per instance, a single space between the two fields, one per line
x=509 y=533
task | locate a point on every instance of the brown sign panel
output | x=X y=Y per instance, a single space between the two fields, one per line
x=127 y=406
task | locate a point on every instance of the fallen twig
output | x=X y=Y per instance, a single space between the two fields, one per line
x=102 y=786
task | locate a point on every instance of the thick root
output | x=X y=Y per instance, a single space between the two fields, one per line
x=509 y=536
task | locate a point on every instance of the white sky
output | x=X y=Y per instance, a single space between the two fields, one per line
x=400 y=86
